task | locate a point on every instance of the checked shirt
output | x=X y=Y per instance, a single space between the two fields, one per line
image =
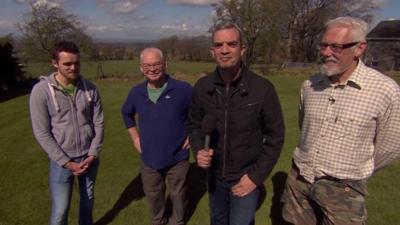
x=349 y=130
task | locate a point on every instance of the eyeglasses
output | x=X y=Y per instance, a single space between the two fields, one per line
x=146 y=66
x=337 y=48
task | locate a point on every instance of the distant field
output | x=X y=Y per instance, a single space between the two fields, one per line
x=121 y=68
x=130 y=68
x=24 y=197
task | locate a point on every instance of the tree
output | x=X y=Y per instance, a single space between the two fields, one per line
x=287 y=30
x=306 y=19
x=44 y=25
x=358 y=8
x=250 y=16
x=169 y=47
x=187 y=48
x=11 y=73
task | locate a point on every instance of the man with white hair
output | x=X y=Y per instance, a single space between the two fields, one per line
x=161 y=104
x=349 y=118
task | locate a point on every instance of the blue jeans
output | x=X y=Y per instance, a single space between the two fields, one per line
x=61 y=181
x=227 y=209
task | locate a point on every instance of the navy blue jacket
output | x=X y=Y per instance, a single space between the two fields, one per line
x=162 y=125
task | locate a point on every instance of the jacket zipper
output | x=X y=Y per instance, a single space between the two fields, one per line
x=72 y=100
x=226 y=104
x=75 y=121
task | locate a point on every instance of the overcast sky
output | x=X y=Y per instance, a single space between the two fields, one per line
x=141 y=19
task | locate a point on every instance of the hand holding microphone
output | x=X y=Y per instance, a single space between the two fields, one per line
x=207 y=126
x=204 y=156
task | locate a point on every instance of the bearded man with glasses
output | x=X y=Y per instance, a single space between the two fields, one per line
x=161 y=104
x=349 y=117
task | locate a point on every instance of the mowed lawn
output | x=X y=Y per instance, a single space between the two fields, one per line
x=24 y=194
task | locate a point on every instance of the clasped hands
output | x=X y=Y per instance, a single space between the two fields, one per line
x=78 y=169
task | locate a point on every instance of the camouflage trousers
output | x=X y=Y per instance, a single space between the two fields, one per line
x=328 y=201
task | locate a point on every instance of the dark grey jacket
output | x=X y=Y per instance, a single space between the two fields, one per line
x=249 y=130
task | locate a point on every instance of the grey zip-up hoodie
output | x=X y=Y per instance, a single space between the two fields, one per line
x=67 y=127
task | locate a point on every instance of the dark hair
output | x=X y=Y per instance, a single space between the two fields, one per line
x=226 y=25
x=64 y=46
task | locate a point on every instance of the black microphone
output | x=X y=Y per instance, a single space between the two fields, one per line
x=331 y=99
x=208 y=126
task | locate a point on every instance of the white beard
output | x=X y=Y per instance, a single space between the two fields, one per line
x=331 y=70
x=328 y=72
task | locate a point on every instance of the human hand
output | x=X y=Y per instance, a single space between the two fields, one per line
x=204 y=158
x=136 y=143
x=87 y=162
x=76 y=168
x=244 y=187
x=186 y=144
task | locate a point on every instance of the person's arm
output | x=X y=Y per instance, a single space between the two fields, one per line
x=97 y=141
x=193 y=124
x=98 y=124
x=186 y=144
x=134 y=134
x=273 y=137
x=188 y=101
x=195 y=133
x=128 y=114
x=387 y=141
x=40 y=118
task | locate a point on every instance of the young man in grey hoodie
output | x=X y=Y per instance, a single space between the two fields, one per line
x=67 y=121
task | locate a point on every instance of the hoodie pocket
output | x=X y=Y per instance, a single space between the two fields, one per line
x=86 y=135
x=59 y=136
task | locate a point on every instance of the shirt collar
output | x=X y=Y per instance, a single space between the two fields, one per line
x=355 y=80
x=142 y=88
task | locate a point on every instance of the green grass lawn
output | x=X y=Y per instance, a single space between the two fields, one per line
x=24 y=195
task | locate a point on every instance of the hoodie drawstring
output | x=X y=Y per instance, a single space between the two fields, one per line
x=89 y=98
x=53 y=95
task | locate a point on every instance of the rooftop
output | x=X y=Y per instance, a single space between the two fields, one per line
x=385 y=30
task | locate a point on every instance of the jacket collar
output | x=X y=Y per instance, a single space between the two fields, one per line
x=241 y=83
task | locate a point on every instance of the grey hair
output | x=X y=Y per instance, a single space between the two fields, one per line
x=151 y=49
x=227 y=25
x=358 y=26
